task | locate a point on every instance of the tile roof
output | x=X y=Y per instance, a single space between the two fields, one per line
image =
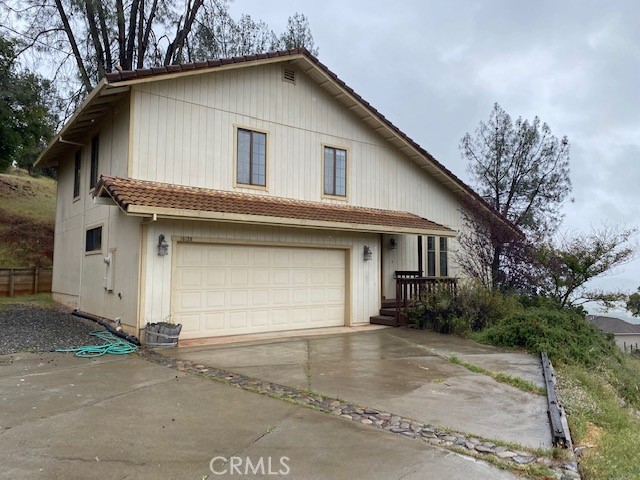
x=128 y=192
x=115 y=77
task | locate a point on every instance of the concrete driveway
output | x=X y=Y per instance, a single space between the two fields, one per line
x=125 y=417
x=403 y=371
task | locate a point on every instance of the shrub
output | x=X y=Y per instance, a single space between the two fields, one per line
x=473 y=308
x=483 y=308
x=564 y=335
x=436 y=310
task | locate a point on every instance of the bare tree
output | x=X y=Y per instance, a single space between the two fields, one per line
x=481 y=236
x=568 y=264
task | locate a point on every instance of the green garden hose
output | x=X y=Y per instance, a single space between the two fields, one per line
x=114 y=345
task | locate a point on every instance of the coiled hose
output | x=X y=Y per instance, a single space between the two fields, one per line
x=114 y=345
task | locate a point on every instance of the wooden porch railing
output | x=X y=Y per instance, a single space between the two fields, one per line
x=410 y=288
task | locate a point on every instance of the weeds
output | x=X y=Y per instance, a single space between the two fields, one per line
x=517 y=382
x=42 y=300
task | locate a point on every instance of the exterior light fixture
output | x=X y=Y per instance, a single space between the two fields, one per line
x=163 y=246
x=366 y=253
x=393 y=243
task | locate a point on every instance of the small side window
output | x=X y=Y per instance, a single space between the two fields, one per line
x=76 y=174
x=94 y=240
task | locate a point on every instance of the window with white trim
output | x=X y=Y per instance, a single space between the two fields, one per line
x=335 y=171
x=252 y=158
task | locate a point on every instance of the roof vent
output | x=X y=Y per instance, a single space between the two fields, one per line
x=288 y=75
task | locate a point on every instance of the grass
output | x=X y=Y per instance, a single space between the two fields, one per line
x=517 y=382
x=601 y=421
x=597 y=384
x=42 y=300
x=27 y=213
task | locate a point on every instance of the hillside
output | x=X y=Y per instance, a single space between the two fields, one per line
x=27 y=216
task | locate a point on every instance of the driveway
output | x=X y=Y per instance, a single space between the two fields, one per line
x=125 y=417
x=403 y=371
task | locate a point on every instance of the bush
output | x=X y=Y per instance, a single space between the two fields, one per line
x=438 y=311
x=473 y=308
x=483 y=308
x=564 y=335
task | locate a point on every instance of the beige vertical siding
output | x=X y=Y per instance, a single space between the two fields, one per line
x=192 y=143
x=78 y=278
x=183 y=131
x=364 y=286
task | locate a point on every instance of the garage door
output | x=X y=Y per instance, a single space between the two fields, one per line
x=235 y=289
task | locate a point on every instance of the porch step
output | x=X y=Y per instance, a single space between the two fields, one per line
x=383 y=320
x=389 y=303
x=390 y=312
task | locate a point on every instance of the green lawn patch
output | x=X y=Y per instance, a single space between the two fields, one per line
x=42 y=300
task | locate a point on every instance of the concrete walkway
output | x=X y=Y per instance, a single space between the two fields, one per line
x=124 y=417
x=403 y=371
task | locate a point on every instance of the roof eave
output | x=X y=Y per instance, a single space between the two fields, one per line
x=175 y=213
x=212 y=69
x=97 y=100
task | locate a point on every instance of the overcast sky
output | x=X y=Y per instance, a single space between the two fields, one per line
x=435 y=68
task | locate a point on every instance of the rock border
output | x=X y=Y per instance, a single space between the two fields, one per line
x=502 y=456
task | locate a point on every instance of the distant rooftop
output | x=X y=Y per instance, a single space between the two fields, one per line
x=613 y=325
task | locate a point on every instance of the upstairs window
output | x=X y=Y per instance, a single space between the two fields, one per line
x=444 y=257
x=76 y=174
x=93 y=241
x=431 y=256
x=335 y=172
x=252 y=158
x=93 y=179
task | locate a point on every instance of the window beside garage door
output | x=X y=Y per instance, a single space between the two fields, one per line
x=236 y=289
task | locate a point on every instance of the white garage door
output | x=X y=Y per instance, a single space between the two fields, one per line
x=235 y=289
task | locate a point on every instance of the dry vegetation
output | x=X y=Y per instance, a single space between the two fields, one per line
x=27 y=216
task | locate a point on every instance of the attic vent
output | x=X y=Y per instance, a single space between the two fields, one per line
x=288 y=75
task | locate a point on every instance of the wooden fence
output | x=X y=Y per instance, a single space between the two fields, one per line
x=24 y=281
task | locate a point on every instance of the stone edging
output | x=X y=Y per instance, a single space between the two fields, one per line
x=507 y=457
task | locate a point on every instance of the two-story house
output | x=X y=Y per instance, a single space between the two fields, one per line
x=244 y=195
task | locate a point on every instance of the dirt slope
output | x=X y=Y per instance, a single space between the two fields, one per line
x=27 y=217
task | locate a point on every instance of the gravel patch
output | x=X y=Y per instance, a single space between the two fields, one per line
x=35 y=329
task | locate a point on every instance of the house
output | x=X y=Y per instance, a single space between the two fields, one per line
x=625 y=334
x=244 y=195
